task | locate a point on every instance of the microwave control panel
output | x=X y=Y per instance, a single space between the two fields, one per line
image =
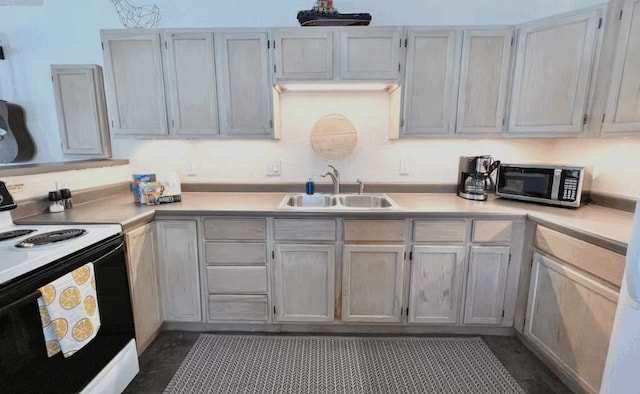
x=570 y=180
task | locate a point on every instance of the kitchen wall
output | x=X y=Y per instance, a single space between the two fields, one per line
x=67 y=31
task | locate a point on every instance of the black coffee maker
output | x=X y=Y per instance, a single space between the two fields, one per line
x=474 y=181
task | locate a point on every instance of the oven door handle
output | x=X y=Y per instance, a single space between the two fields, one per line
x=24 y=300
x=115 y=250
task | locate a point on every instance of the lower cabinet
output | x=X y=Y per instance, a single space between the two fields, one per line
x=178 y=263
x=486 y=284
x=372 y=283
x=436 y=284
x=142 y=270
x=569 y=318
x=304 y=282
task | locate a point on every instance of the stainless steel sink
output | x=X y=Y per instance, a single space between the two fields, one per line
x=365 y=201
x=310 y=201
x=336 y=202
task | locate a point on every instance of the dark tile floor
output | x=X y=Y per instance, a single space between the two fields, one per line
x=161 y=360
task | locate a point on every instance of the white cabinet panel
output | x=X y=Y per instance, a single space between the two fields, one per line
x=372 y=283
x=436 y=283
x=484 y=77
x=553 y=67
x=192 y=84
x=370 y=54
x=623 y=105
x=431 y=81
x=134 y=73
x=304 y=282
x=303 y=54
x=486 y=284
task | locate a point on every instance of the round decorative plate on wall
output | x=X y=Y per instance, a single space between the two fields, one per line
x=333 y=137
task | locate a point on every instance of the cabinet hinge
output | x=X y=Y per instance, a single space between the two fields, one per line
x=401 y=122
x=584 y=119
x=398 y=66
x=405 y=255
x=112 y=124
x=274 y=44
x=603 y=116
x=599 y=23
x=511 y=41
x=268 y=44
x=503 y=313
x=620 y=16
x=166 y=46
x=401 y=43
x=52 y=78
x=407 y=311
x=406 y=40
x=274 y=309
x=274 y=68
x=102 y=43
x=503 y=121
x=509 y=257
x=273 y=254
x=173 y=123
x=411 y=255
x=401 y=311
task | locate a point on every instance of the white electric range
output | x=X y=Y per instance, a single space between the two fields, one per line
x=18 y=260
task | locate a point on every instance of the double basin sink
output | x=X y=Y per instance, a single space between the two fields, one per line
x=365 y=201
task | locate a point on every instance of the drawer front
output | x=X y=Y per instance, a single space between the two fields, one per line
x=439 y=230
x=235 y=253
x=305 y=229
x=237 y=280
x=492 y=231
x=238 y=307
x=230 y=228
x=374 y=230
x=603 y=263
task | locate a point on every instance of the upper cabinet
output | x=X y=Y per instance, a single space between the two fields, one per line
x=622 y=113
x=135 y=84
x=244 y=86
x=192 y=83
x=553 y=67
x=82 y=111
x=431 y=82
x=484 y=79
x=343 y=54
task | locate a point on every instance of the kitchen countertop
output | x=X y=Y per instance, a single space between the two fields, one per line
x=606 y=227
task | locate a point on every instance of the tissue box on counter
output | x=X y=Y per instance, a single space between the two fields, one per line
x=152 y=189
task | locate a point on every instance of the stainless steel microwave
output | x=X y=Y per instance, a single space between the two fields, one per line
x=548 y=184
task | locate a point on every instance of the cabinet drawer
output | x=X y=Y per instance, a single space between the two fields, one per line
x=491 y=231
x=439 y=230
x=374 y=230
x=238 y=307
x=229 y=228
x=305 y=229
x=235 y=253
x=603 y=263
x=237 y=280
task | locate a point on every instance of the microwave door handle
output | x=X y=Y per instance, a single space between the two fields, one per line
x=555 y=186
x=111 y=252
x=24 y=300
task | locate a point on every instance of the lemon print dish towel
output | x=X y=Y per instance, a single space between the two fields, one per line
x=69 y=311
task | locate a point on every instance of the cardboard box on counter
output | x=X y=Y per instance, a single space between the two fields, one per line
x=152 y=189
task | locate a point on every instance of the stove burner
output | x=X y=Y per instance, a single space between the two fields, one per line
x=14 y=234
x=50 y=237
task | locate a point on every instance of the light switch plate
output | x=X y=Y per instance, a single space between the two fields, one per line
x=404 y=167
x=274 y=168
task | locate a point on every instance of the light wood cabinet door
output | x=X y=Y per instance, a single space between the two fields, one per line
x=82 y=111
x=303 y=54
x=371 y=53
x=134 y=74
x=484 y=77
x=486 y=284
x=436 y=283
x=553 y=65
x=178 y=262
x=623 y=105
x=143 y=282
x=191 y=81
x=244 y=88
x=569 y=318
x=372 y=283
x=304 y=281
x=431 y=81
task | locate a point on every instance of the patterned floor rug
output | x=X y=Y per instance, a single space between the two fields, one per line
x=327 y=364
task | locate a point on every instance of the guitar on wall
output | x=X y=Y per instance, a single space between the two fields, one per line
x=15 y=142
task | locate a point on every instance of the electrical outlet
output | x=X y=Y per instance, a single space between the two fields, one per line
x=192 y=170
x=404 y=167
x=274 y=168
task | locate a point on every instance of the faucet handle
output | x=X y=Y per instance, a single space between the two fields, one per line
x=335 y=170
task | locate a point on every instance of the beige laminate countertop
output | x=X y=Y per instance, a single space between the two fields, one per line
x=607 y=227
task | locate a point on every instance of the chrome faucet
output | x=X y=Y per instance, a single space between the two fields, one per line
x=335 y=178
x=361 y=186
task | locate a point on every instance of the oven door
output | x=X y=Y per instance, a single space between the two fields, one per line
x=24 y=365
x=527 y=182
